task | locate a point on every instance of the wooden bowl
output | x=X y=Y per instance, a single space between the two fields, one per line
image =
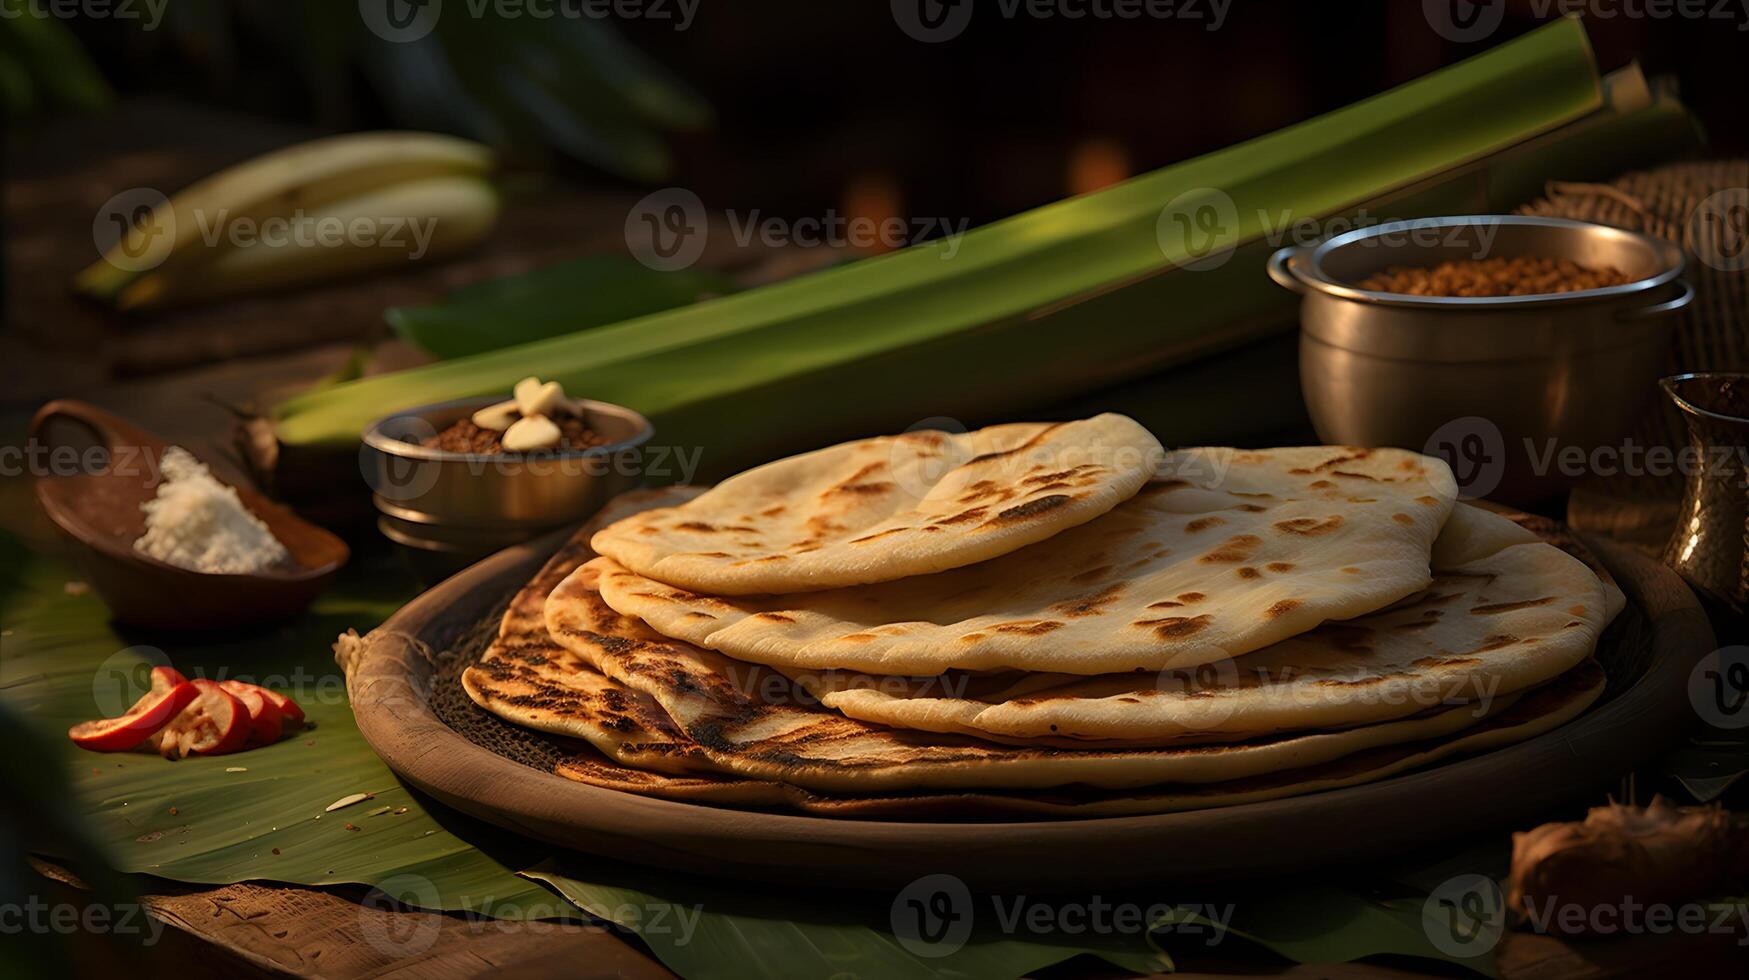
x=98 y=507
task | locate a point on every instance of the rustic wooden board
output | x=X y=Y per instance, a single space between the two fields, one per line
x=1654 y=647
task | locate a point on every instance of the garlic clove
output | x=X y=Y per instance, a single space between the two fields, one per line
x=531 y=432
x=498 y=417
x=550 y=399
x=539 y=399
x=525 y=391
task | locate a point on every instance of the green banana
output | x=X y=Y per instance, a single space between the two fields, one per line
x=377 y=230
x=195 y=227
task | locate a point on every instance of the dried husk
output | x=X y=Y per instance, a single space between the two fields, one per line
x=1624 y=856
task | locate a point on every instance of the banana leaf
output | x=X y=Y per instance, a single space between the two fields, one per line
x=509 y=67
x=48 y=67
x=1042 y=306
x=200 y=819
x=704 y=929
x=1321 y=923
x=651 y=90
x=550 y=302
x=35 y=812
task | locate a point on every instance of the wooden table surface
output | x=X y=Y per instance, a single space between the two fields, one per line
x=174 y=375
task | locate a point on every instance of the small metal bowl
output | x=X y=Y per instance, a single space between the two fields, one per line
x=1491 y=383
x=447 y=510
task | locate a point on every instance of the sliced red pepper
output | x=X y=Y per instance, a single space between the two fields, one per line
x=214 y=723
x=167 y=677
x=288 y=709
x=165 y=701
x=264 y=715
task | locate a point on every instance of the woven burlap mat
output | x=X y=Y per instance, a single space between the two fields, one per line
x=1704 y=206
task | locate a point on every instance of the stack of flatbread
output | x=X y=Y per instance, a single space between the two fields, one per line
x=1038 y=619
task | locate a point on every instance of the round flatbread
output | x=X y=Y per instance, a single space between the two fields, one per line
x=888 y=508
x=1511 y=613
x=1228 y=552
x=1537 y=711
x=753 y=722
x=525 y=678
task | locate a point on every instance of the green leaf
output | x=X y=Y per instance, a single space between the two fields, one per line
x=500 y=63
x=1324 y=923
x=702 y=929
x=60 y=69
x=17 y=91
x=61 y=663
x=659 y=97
x=551 y=302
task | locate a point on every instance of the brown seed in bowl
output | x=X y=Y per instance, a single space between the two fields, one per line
x=463 y=436
x=1521 y=275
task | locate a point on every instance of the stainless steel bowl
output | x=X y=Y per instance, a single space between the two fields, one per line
x=1491 y=383
x=447 y=510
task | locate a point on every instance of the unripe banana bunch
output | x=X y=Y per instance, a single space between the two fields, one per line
x=330 y=208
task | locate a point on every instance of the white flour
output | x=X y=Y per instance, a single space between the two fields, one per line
x=198 y=523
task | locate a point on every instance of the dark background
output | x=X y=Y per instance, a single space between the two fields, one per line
x=819 y=100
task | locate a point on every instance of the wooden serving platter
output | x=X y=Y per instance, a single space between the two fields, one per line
x=1650 y=652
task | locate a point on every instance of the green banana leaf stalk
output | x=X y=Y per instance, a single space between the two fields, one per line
x=551 y=302
x=1056 y=302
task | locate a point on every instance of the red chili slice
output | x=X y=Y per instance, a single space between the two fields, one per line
x=165 y=701
x=264 y=714
x=214 y=723
x=288 y=709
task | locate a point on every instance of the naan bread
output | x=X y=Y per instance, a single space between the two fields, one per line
x=751 y=721
x=1510 y=614
x=1554 y=532
x=526 y=679
x=1538 y=711
x=592 y=767
x=888 y=508
x=1230 y=552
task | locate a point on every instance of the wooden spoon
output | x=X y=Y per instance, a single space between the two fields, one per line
x=98 y=507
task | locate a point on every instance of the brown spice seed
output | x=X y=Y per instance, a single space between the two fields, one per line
x=1515 y=276
x=463 y=436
